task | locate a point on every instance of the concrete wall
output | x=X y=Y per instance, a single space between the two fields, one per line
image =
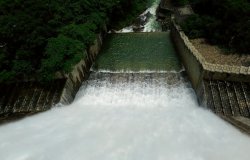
x=211 y=71
x=80 y=72
x=29 y=97
x=200 y=71
x=20 y=99
x=191 y=63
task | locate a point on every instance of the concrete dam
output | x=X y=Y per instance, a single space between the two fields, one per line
x=137 y=100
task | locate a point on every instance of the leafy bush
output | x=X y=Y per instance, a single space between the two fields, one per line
x=82 y=32
x=193 y=26
x=7 y=75
x=62 y=53
x=180 y=2
x=27 y=28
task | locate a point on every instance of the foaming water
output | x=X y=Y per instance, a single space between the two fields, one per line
x=126 y=117
x=128 y=29
x=141 y=71
x=151 y=24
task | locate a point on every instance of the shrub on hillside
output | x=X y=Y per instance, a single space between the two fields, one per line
x=30 y=29
x=222 y=22
x=180 y=2
x=62 y=53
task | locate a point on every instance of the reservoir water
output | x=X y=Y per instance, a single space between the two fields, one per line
x=138 y=52
x=130 y=108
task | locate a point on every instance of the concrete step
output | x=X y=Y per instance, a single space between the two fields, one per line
x=216 y=97
x=246 y=89
x=57 y=93
x=228 y=98
x=242 y=123
x=3 y=95
x=233 y=99
x=29 y=92
x=241 y=99
x=210 y=101
x=224 y=98
x=22 y=97
x=13 y=98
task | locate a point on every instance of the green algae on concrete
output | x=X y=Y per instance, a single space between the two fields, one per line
x=138 y=52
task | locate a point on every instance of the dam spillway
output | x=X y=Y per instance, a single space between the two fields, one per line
x=138 y=52
x=125 y=113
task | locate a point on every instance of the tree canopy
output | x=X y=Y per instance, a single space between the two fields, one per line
x=222 y=22
x=42 y=37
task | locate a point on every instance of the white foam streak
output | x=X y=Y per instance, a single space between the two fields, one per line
x=141 y=71
x=128 y=29
x=125 y=121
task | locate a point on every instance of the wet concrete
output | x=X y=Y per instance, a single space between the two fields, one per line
x=21 y=99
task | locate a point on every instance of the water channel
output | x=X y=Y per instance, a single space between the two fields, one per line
x=136 y=105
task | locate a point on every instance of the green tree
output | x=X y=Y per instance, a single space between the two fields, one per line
x=82 y=32
x=30 y=30
x=62 y=53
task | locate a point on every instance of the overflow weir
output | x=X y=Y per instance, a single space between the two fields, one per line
x=224 y=89
x=129 y=107
x=134 y=102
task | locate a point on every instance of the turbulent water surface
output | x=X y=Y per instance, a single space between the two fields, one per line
x=151 y=25
x=126 y=116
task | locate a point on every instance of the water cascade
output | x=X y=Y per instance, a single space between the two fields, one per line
x=152 y=25
x=128 y=109
x=126 y=116
x=147 y=18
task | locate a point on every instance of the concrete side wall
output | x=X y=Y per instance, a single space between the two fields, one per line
x=80 y=72
x=29 y=97
x=210 y=70
x=222 y=88
x=26 y=98
x=191 y=63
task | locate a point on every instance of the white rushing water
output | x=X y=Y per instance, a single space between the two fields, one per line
x=125 y=118
x=151 y=24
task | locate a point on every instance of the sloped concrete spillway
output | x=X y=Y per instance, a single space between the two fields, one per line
x=122 y=113
x=138 y=52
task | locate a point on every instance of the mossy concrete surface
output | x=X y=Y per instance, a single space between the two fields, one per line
x=137 y=52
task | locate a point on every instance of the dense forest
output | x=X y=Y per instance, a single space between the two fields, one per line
x=222 y=22
x=41 y=37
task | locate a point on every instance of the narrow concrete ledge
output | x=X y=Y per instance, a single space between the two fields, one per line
x=242 y=123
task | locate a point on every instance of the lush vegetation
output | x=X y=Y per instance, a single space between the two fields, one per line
x=180 y=2
x=41 y=37
x=222 y=22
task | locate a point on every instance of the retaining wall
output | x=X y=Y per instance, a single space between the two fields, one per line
x=224 y=89
x=20 y=99
x=210 y=70
x=80 y=72
x=191 y=63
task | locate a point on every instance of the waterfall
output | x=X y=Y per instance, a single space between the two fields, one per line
x=121 y=113
x=126 y=116
x=152 y=25
x=148 y=18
